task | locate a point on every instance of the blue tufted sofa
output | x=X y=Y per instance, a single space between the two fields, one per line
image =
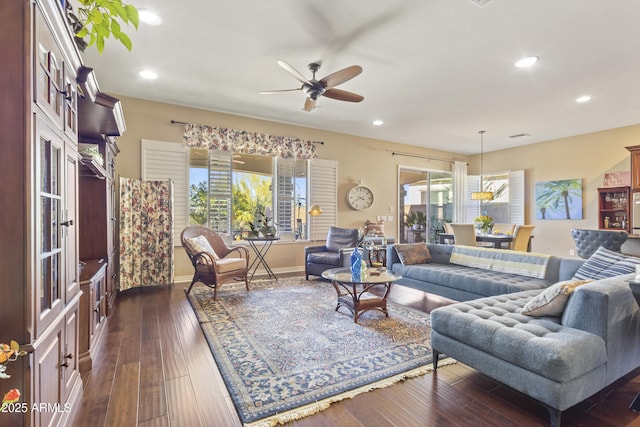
x=557 y=360
x=462 y=283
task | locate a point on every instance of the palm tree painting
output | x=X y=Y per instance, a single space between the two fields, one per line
x=559 y=199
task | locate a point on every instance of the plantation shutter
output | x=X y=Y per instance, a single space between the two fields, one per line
x=323 y=178
x=169 y=161
x=220 y=192
x=516 y=197
x=473 y=206
x=285 y=197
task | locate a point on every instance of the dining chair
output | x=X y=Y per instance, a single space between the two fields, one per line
x=214 y=262
x=521 y=237
x=464 y=234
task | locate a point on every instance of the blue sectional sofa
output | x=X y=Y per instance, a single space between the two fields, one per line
x=557 y=353
x=462 y=283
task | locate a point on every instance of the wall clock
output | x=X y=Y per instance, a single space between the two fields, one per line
x=360 y=197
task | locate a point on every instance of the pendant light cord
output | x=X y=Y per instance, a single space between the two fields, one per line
x=482 y=159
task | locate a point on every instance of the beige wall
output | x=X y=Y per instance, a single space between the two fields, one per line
x=358 y=159
x=585 y=156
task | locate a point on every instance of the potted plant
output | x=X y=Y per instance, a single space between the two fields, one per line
x=268 y=228
x=410 y=219
x=421 y=220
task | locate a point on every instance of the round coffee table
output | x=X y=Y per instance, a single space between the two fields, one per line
x=353 y=290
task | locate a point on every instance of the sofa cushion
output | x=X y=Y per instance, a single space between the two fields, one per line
x=413 y=253
x=471 y=280
x=552 y=301
x=605 y=263
x=495 y=326
x=505 y=261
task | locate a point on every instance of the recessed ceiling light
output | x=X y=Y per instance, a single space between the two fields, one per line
x=148 y=74
x=526 y=62
x=149 y=17
x=583 y=98
x=378 y=122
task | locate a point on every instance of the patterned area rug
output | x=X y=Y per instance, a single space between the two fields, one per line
x=285 y=353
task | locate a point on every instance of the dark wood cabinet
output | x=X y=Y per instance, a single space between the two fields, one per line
x=614 y=208
x=635 y=166
x=44 y=110
x=93 y=310
x=39 y=174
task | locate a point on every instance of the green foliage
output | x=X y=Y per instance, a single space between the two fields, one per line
x=251 y=196
x=98 y=20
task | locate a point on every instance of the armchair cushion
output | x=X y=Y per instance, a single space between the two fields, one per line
x=224 y=265
x=340 y=238
x=327 y=258
x=200 y=244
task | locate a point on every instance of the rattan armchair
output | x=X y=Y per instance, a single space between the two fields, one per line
x=217 y=264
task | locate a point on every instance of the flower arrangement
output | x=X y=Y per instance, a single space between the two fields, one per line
x=484 y=223
x=9 y=353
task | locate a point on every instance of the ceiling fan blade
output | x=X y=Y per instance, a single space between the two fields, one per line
x=268 y=92
x=342 y=95
x=295 y=73
x=339 y=77
x=309 y=104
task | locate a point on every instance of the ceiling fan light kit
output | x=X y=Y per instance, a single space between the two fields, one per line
x=314 y=88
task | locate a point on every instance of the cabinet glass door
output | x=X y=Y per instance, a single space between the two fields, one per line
x=48 y=286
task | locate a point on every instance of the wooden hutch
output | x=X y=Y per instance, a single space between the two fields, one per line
x=49 y=102
x=614 y=212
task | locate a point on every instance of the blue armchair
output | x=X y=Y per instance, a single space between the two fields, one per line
x=336 y=252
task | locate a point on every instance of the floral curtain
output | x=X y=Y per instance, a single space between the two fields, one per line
x=146 y=233
x=223 y=139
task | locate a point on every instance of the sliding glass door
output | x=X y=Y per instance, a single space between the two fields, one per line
x=426 y=202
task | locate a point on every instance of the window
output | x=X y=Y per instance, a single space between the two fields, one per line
x=239 y=193
x=210 y=188
x=426 y=202
x=507 y=205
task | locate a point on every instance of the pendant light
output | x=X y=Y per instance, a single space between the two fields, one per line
x=482 y=195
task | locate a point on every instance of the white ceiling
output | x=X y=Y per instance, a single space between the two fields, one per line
x=436 y=71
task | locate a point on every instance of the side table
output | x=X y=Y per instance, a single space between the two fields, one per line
x=353 y=290
x=261 y=252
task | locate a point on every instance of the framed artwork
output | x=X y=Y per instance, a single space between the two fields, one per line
x=559 y=199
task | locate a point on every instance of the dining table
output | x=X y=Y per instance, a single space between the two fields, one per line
x=499 y=241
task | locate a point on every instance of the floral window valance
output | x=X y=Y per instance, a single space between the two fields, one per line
x=240 y=141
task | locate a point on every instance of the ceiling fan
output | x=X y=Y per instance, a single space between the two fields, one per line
x=314 y=89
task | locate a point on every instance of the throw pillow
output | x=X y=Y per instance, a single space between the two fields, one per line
x=553 y=300
x=201 y=244
x=625 y=266
x=375 y=228
x=606 y=263
x=413 y=253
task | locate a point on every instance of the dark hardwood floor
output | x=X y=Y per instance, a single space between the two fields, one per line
x=154 y=368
